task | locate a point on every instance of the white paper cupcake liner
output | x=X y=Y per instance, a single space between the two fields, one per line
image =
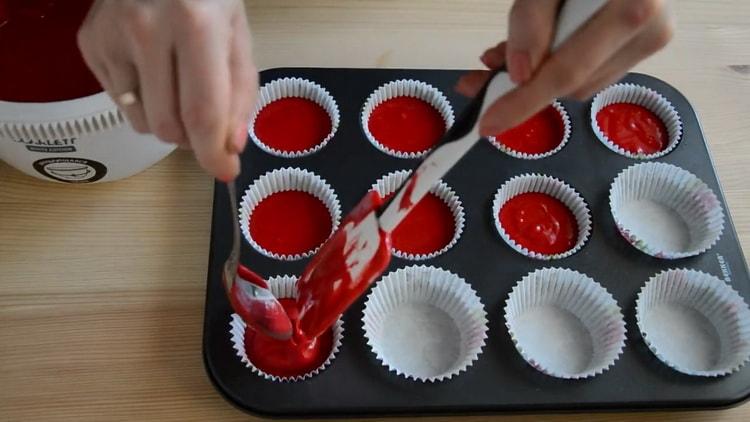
x=553 y=187
x=405 y=88
x=281 y=180
x=565 y=324
x=425 y=323
x=694 y=322
x=665 y=211
x=296 y=88
x=390 y=183
x=281 y=287
x=642 y=96
x=526 y=156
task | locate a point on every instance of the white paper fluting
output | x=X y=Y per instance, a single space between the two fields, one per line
x=647 y=98
x=694 y=322
x=405 y=88
x=565 y=324
x=553 y=187
x=294 y=88
x=390 y=183
x=425 y=323
x=281 y=180
x=526 y=156
x=665 y=211
x=281 y=287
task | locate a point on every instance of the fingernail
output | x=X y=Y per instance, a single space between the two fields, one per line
x=519 y=64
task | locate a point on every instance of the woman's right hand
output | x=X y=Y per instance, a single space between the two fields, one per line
x=180 y=69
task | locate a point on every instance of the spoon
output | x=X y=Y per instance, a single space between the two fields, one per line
x=248 y=292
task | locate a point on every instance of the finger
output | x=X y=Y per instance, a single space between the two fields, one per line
x=472 y=82
x=124 y=79
x=202 y=51
x=652 y=39
x=494 y=57
x=158 y=87
x=244 y=82
x=570 y=67
x=530 y=29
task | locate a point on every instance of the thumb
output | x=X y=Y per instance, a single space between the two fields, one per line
x=530 y=29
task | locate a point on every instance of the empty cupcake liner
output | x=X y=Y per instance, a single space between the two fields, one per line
x=405 y=88
x=565 y=324
x=642 y=96
x=425 y=323
x=694 y=322
x=294 y=88
x=281 y=287
x=553 y=187
x=281 y=180
x=665 y=211
x=391 y=182
x=525 y=156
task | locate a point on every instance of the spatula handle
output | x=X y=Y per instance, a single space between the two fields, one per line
x=465 y=132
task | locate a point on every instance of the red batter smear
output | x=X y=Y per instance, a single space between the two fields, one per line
x=428 y=227
x=288 y=358
x=292 y=124
x=342 y=270
x=39 y=56
x=634 y=128
x=406 y=124
x=540 y=223
x=291 y=222
x=541 y=133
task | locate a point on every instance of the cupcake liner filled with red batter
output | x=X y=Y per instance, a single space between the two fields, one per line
x=289 y=213
x=406 y=118
x=542 y=135
x=564 y=323
x=665 y=211
x=425 y=323
x=285 y=360
x=541 y=217
x=295 y=117
x=635 y=121
x=433 y=227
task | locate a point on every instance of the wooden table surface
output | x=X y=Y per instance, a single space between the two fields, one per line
x=102 y=286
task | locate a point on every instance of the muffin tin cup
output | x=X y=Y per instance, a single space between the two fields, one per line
x=425 y=323
x=644 y=97
x=526 y=156
x=405 y=88
x=282 y=180
x=281 y=287
x=553 y=187
x=294 y=88
x=565 y=324
x=694 y=322
x=390 y=183
x=665 y=211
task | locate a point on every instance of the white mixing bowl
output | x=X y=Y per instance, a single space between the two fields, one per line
x=85 y=140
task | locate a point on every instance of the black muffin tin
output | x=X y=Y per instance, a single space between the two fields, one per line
x=356 y=384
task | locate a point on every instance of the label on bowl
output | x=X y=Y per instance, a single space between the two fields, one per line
x=71 y=170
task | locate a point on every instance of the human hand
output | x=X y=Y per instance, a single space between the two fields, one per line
x=180 y=69
x=616 y=38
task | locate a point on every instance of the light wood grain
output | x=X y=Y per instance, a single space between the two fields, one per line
x=102 y=287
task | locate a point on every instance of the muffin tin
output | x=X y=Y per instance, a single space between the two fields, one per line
x=500 y=380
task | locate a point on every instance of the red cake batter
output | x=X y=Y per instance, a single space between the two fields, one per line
x=427 y=228
x=541 y=133
x=290 y=222
x=634 y=128
x=406 y=124
x=39 y=56
x=540 y=223
x=292 y=124
x=288 y=358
